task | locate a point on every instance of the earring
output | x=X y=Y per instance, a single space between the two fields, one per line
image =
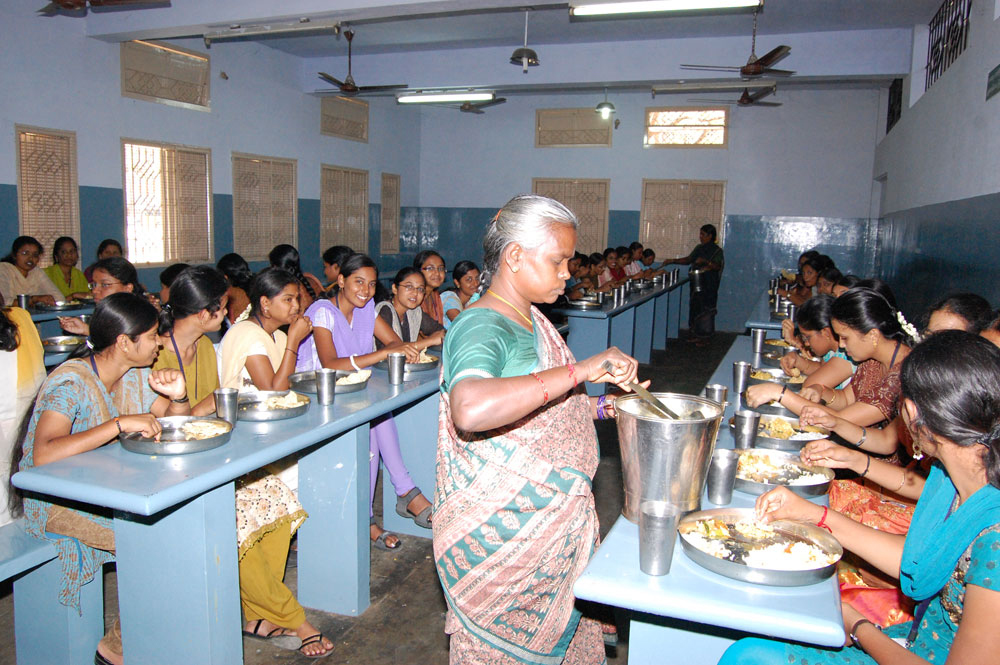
x=875 y=344
x=918 y=454
x=514 y=269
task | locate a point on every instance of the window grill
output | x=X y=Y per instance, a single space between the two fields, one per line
x=949 y=36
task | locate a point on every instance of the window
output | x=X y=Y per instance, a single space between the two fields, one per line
x=48 y=198
x=673 y=211
x=390 y=214
x=344 y=118
x=168 y=203
x=265 y=204
x=949 y=36
x=588 y=199
x=165 y=74
x=682 y=127
x=343 y=208
x=571 y=128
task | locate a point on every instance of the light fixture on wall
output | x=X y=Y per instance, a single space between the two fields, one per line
x=585 y=9
x=524 y=57
x=302 y=26
x=605 y=108
x=445 y=97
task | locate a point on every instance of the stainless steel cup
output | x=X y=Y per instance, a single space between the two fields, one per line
x=716 y=392
x=772 y=284
x=601 y=296
x=792 y=309
x=722 y=475
x=226 y=400
x=657 y=536
x=397 y=366
x=22 y=300
x=326 y=385
x=741 y=374
x=757 y=337
x=745 y=429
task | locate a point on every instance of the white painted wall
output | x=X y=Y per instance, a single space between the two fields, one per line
x=946 y=147
x=53 y=76
x=812 y=156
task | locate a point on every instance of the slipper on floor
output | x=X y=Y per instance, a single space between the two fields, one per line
x=313 y=639
x=274 y=638
x=380 y=544
x=423 y=518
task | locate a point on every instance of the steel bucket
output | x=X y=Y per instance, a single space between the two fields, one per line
x=663 y=459
x=697 y=280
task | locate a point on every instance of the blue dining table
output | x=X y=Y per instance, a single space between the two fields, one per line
x=760 y=315
x=691 y=613
x=175 y=520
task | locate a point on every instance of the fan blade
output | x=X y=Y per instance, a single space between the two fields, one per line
x=377 y=88
x=471 y=109
x=778 y=72
x=329 y=79
x=703 y=100
x=712 y=68
x=766 y=104
x=483 y=105
x=761 y=94
x=774 y=55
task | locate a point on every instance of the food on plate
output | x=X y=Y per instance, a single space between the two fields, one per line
x=764 y=375
x=779 y=428
x=289 y=401
x=777 y=342
x=757 y=545
x=204 y=429
x=354 y=377
x=761 y=468
x=65 y=341
x=425 y=357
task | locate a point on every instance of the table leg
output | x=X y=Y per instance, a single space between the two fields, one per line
x=334 y=553
x=687 y=642
x=642 y=337
x=661 y=312
x=622 y=328
x=418 y=428
x=178 y=585
x=45 y=630
x=588 y=337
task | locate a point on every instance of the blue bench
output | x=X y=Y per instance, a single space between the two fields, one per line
x=46 y=631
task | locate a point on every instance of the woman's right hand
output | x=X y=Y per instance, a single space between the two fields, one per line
x=762 y=393
x=788 y=332
x=74 y=325
x=42 y=300
x=824 y=452
x=790 y=361
x=298 y=330
x=145 y=423
x=813 y=415
x=625 y=368
x=782 y=504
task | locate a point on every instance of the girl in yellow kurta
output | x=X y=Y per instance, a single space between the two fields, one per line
x=63 y=272
x=267 y=511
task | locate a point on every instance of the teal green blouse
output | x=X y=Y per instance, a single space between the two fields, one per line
x=486 y=344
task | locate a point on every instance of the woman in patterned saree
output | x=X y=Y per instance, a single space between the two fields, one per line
x=948 y=560
x=514 y=518
x=84 y=404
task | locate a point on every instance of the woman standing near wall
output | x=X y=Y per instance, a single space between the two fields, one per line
x=710 y=260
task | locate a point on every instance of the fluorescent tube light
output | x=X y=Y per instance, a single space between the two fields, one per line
x=656 y=6
x=444 y=97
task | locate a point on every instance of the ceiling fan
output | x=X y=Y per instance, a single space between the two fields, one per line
x=746 y=99
x=56 y=6
x=348 y=86
x=755 y=67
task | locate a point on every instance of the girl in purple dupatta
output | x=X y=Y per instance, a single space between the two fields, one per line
x=344 y=330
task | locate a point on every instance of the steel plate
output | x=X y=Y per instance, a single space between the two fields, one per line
x=767 y=576
x=172 y=439
x=62 y=343
x=305 y=382
x=251 y=407
x=583 y=304
x=775 y=409
x=781 y=457
x=413 y=367
x=61 y=306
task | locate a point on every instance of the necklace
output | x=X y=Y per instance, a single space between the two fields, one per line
x=506 y=302
x=259 y=323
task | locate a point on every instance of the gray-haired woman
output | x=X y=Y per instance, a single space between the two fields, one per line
x=514 y=518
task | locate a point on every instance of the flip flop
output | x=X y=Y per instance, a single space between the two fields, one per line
x=100 y=660
x=423 y=518
x=275 y=637
x=313 y=639
x=380 y=544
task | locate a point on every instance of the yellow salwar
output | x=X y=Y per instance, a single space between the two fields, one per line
x=263 y=594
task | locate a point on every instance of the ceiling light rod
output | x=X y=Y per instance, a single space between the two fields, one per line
x=444 y=97
x=300 y=26
x=659 y=6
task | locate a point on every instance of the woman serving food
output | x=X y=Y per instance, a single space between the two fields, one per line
x=514 y=519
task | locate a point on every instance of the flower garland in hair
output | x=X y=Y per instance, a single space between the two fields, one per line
x=244 y=316
x=908 y=328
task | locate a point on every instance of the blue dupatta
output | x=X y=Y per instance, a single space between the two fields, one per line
x=936 y=539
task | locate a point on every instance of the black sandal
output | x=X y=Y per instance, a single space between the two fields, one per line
x=276 y=637
x=313 y=639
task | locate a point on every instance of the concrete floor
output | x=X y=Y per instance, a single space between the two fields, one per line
x=405 y=621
